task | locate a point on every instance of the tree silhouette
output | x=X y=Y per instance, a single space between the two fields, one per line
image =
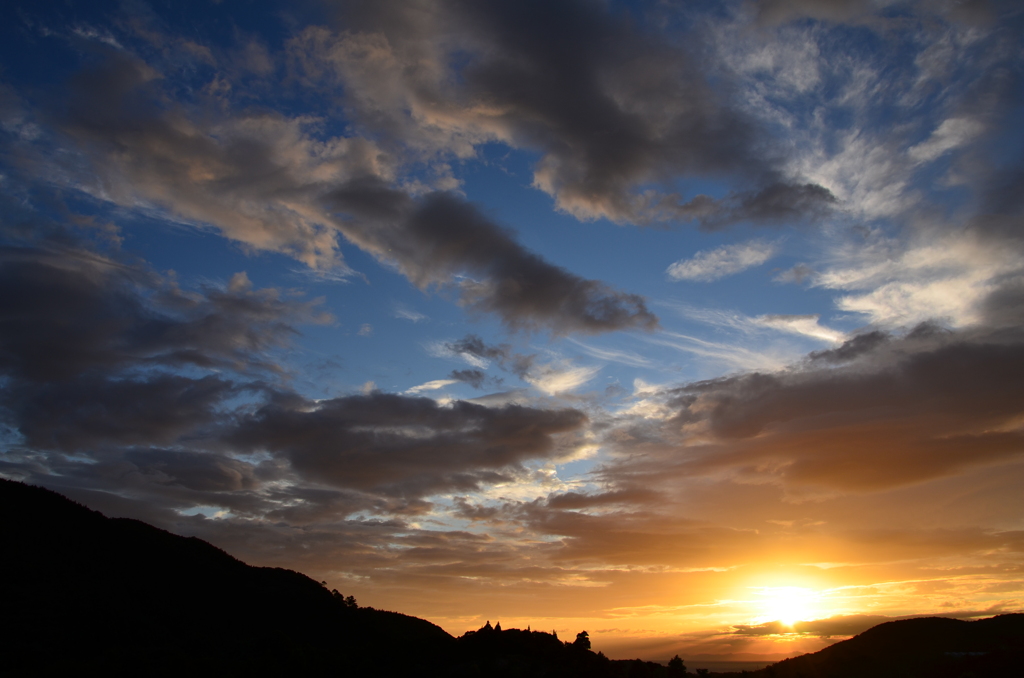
x=347 y=602
x=582 y=640
x=676 y=668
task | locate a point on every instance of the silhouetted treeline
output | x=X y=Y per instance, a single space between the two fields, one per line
x=88 y=595
x=514 y=653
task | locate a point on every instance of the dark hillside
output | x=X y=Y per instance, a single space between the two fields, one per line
x=85 y=593
x=932 y=647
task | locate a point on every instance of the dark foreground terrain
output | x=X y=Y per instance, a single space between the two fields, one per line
x=88 y=595
x=932 y=647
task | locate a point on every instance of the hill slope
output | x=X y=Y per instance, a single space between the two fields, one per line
x=117 y=596
x=932 y=647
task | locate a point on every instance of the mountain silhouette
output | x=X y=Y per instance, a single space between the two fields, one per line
x=88 y=594
x=928 y=647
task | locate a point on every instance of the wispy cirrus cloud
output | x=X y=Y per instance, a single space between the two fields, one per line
x=952 y=133
x=947 y=276
x=710 y=265
x=408 y=314
x=808 y=325
x=735 y=356
x=623 y=357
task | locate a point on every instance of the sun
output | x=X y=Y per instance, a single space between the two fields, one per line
x=788 y=604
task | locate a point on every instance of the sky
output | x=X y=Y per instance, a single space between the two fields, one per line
x=695 y=325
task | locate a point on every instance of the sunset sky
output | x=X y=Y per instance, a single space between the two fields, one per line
x=696 y=325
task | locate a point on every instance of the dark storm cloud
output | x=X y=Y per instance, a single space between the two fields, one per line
x=244 y=175
x=779 y=11
x=618 y=114
x=1005 y=192
x=474 y=378
x=85 y=342
x=441 y=238
x=403 y=446
x=579 y=500
x=270 y=183
x=472 y=345
x=199 y=471
x=154 y=483
x=776 y=203
x=88 y=342
x=64 y=313
x=469 y=511
x=878 y=412
x=303 y=504
x=92 y=411
x=1004 y=306
x=561 y=72
x=852 y=348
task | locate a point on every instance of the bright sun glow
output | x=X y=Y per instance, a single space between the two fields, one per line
x=788 y=604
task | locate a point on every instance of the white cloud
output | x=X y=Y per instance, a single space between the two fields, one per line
x=407 y=314
x=641 y=387
x=942 y=278
x=709 y=265
x=441 y=349
x=908 y=301
x=865 y=174
x=553 y=379
x=720 y=318
x=431 y=386
x=806 y=325
x=953 y=132
x=518 y=396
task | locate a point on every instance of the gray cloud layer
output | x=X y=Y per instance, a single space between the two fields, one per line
x=67 y=313
x=86 y=345
x=269 y=183
x=441 y=236
x=877 y=412
x=618 y=114
x=87 y=342
x=404 y=446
